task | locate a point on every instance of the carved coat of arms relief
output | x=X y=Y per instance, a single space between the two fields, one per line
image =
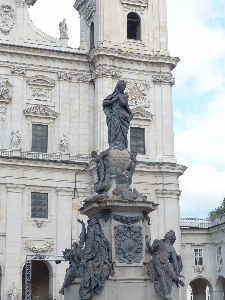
x=7 y=18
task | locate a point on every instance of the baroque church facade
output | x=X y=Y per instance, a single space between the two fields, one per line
x=51 y=119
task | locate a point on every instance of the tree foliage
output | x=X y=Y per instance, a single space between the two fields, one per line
x=218 y=211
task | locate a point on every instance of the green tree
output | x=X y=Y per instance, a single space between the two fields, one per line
x=217 y=211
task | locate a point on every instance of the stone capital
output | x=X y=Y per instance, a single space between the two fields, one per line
x=15 y=188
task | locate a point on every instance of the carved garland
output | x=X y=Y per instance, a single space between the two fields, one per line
x=163 y=79
x=65 y=76
x=102 y=71
x=84 y=78
x=47 y=247
x=18 y=71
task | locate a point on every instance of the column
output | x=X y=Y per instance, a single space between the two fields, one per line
x=13 y=236
x=63 y=230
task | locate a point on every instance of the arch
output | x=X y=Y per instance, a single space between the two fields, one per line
x=199 y=286
x=133 y=26
x=92 y=35
x=220 y=288
x=42 y=279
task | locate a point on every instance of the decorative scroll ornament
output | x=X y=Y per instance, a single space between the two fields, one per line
x=38 y=224
x=86 y=9
x=137 y=93
x=7 y=18
x=4 y=92
x=141 y=113
x=135 y=5
x=13 y=292
x=65 y=76
x=47 y=247
x=128 y=243
x=163 y=79
x=20 y=3
x=102 y=71
x=18 y=71
x=41 y=80
x=41 y=111
x=84 y=78
x=199 y=269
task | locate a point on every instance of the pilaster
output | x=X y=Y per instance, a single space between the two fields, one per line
x=13 y=245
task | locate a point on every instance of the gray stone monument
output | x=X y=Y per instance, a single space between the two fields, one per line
x=112 y=259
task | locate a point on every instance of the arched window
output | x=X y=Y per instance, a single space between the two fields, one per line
x=92 y=35
x=133 y=26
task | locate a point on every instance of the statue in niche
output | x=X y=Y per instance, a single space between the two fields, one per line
x=63 y=29
x=16 y=140
x=13 y=292
x=118 y=116
x=102 y=184
x=92 y=263
x=4 y=91
x=74 y=257
x=165 y=265
x=64 y=144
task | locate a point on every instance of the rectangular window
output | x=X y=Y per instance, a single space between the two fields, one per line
x=39 y=138
x=137 y=140
x=219 y=256
x=39 y=205
x=198 y=253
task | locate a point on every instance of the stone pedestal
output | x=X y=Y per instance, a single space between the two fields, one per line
x=125 y=225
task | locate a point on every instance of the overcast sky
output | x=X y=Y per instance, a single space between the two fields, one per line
x=197 y=36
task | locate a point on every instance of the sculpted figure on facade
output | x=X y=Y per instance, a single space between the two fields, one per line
x=165 y=265
x=4 y=92
x=64 y=144
x=13 y=292
x=63 y=29
x=118 y=116
x=92 y=263
x=16 y=140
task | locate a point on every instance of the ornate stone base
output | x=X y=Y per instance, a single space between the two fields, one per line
x=122 y=289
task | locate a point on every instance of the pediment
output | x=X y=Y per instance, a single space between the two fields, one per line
x=41 y=80
x=41 y=111
x=141 y=113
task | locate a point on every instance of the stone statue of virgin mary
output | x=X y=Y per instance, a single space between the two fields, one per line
x=118 y=116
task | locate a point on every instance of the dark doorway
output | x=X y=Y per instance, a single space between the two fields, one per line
x=133 y=26
x=40 y=281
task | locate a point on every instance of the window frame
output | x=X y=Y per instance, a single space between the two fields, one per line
x=40 y=190
x=195 y=248
x=219 y=255
x=47 y=206
x=144 y=130
x=138 y=28
x=34 y=124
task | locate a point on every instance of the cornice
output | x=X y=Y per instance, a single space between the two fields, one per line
x=161 y=167
x=50 y=52
x=100 y=51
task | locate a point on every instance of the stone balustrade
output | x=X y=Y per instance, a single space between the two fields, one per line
x=59 y=156
x=202 y=223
